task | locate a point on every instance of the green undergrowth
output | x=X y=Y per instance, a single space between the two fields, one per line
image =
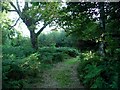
x=72 y=61
x=49 y=55
x=19 y=69
x=98 y=72
x=46 y=66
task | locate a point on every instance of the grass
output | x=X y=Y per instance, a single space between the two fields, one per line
x=60 y=74
x=72 y=61
x=63 y=77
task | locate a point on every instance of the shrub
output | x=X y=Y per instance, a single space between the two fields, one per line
x=47 y=54
x=15 y=70
x=31 y=65
x=57 y=57
x=11 y=72
x=18 y=51
x=51 y=55
x=47 y=49
x=46 y=57
x=98 y=72
x=70 y=51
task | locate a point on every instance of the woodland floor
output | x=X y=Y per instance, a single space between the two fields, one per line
x=61 y=75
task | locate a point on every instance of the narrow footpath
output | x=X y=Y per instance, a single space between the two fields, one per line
x=61 y=75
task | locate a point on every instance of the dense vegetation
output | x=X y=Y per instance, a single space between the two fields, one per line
x=91 y=30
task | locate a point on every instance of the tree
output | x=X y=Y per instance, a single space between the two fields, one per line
x=87 y=20
x=78 y=20
x=102 y=26
x=107 y=33
x=7 y=35
x=35 y=13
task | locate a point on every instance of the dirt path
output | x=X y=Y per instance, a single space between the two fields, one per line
x=62 y=75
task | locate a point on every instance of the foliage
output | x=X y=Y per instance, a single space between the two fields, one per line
x=92 y=73
x=97 y=22
x=15 y=71
x=57 y=57
x=31 y=65
x=47 y=55
x=53 y=54
x=81 y=22
x=18 y=51
x=33 y=14
x=7 y=35
x=56 y=38
x=4 y=6
x=70 y=51
x=11 y=73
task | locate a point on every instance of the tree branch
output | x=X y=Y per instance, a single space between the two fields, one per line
x=42 y=28
x=26 y=5
x=12 y=10
x=18 y=6
x=15 y=8
x=14 y=24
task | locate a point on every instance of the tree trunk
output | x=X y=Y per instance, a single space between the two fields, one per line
x=33 y=38
x=102 y=26
x=101 y=48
